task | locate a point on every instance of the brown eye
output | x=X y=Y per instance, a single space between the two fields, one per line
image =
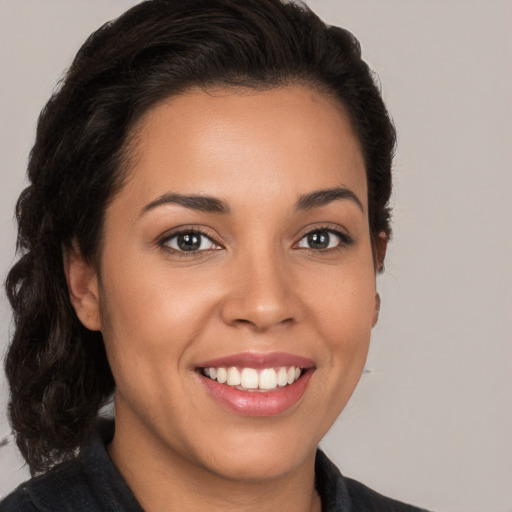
x=319 y=240
x=322 y=239
x=190 y=241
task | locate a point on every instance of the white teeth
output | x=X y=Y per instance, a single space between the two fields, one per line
x=249 y=378
x=222 y=375
x=282 y=377
x=268 y=379
x=233 y=377
x=252 y=379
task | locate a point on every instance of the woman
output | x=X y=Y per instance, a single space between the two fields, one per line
x=207 y=211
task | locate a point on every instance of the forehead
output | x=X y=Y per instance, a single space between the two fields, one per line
x=222 y=142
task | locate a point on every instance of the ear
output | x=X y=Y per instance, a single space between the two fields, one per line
x=376 y=311
x=381 y=245
x=83 y=287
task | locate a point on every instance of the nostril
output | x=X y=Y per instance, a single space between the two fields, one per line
x=261 y=324
x=261 y=299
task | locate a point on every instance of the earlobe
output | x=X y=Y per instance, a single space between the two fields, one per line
x=376 y=311
x=83 y=286
x=381 y=245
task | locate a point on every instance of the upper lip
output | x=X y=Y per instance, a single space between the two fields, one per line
x=257 y=361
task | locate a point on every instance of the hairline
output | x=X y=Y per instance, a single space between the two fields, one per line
x=127 y=157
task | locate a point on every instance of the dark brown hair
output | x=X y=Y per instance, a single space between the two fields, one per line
x=57 y=369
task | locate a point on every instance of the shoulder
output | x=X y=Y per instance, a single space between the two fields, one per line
x=339 y=493
x=365 y=499
x=17 y=501
x=88 y=482
x=64 y=488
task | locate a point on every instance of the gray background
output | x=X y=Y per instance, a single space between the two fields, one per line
x=431 y=423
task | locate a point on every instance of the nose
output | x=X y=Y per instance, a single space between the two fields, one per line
x=262 y=294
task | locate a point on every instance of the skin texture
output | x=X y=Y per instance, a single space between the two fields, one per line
x=258 y=287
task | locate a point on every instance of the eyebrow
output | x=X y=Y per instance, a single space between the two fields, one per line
x=210 y=204
x=194 y=202
x=324 y=197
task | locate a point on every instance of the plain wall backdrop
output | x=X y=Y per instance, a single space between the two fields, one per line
x=431 y=421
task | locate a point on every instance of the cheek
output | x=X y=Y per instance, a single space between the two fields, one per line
x=343 y=307
x=148 y=325
x=343 y=297
x=148 y=314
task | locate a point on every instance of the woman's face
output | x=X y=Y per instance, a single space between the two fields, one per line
x=240 y=240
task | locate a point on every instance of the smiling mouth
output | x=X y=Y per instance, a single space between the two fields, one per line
x=257 y=385
x=251 y=379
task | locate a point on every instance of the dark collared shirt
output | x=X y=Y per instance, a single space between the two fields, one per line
x=91 y=483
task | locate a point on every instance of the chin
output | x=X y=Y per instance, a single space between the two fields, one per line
x=260 y=455
x=257 y=465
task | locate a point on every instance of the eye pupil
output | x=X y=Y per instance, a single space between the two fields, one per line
x=318 y=240
x=189 y=241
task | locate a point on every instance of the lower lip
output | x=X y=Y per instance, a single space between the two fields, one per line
x=258 y=403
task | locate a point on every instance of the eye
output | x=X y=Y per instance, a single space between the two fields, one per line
x=189 y=241
x=322 y=239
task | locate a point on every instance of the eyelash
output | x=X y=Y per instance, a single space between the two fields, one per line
x=344 y=241
x=164 y=242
